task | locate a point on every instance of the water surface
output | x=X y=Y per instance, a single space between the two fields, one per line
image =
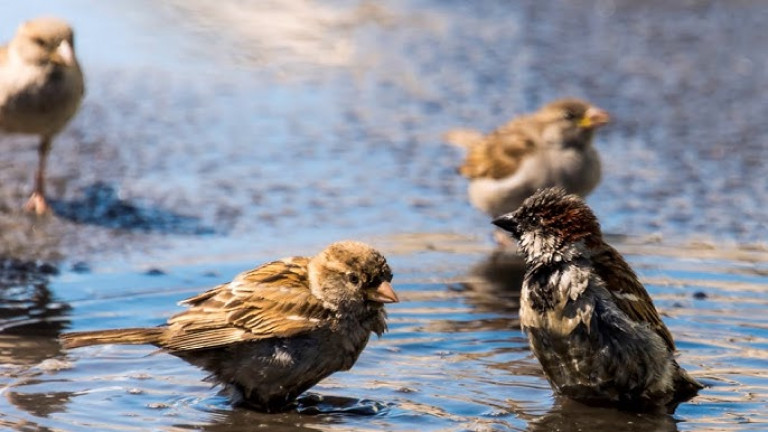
x=213 y=139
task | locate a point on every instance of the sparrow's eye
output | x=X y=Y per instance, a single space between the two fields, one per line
x=38 y=41
x=353 y=278
x=569 y=115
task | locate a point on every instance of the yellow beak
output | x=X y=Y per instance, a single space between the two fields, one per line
x=594 y=118
x=64 y=55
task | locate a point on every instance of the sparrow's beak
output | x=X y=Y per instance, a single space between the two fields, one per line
x=383 y=294
x=594 y=118
x=64 y=55
x=508 y=222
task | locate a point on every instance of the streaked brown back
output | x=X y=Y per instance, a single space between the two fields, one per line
x=273 y=300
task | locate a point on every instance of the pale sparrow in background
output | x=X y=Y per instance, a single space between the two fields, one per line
x=589 y=320
x=550 y=147
x=277 y=330
x=41 y=87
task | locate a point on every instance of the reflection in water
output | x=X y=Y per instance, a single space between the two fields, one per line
x=40 y=404
x=27 y=307
x=242 y=420
x=30 y=322
x=311 y=410
x=491 y=290
x=316 y=404
x=494 y=283
x=567 y=416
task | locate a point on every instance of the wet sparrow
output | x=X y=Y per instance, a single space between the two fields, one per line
x=550 y=147
x=589 y=320
x=41 y=87
x=277 y=330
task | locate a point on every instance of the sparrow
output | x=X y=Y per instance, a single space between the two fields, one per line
x=41 y=86
x=589 y=320
x=550 y=147
x=277 y=330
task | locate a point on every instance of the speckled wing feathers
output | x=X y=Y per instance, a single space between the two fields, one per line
x=629 y=294
x=273 y=300
x=498 y=155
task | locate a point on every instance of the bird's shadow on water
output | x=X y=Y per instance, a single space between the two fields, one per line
x=567 y=415
x=310 y=412
x=316 y=404
x=101 y=205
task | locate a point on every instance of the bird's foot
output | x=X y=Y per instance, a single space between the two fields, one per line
x=37 y=204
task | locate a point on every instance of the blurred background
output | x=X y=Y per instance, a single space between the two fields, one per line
x=217 y=135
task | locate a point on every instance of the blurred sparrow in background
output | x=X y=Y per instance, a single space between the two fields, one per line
x=41 y=87
x=550 y=147
x=277 y=330
x=589 y=321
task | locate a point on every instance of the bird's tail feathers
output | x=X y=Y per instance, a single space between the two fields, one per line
x=463 y=138
x=686 y=386
x=130 y=336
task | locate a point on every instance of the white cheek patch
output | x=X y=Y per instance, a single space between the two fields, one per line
x=525 y=239
x=538 y=246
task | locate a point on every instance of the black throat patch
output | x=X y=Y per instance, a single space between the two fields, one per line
x=540 y=291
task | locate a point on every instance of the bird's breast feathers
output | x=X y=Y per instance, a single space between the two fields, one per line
x=556 y=300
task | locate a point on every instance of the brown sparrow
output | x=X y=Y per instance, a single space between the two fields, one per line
x=589 y=321
x=277 y=330
x=41 y=87
x=550 y=147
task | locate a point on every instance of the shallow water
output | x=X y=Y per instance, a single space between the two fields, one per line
x=454 y=358
x=214 y=139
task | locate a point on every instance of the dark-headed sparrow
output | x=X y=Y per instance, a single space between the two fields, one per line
x=590 y=322
x=550 y=147
x=277 y=330
x=41 y=87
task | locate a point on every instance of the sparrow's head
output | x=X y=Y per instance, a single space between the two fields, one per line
x=571 y=122
x=45 y=41
x=350 y=272
x=552 y=222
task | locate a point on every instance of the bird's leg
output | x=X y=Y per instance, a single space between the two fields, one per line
x=37 y=203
